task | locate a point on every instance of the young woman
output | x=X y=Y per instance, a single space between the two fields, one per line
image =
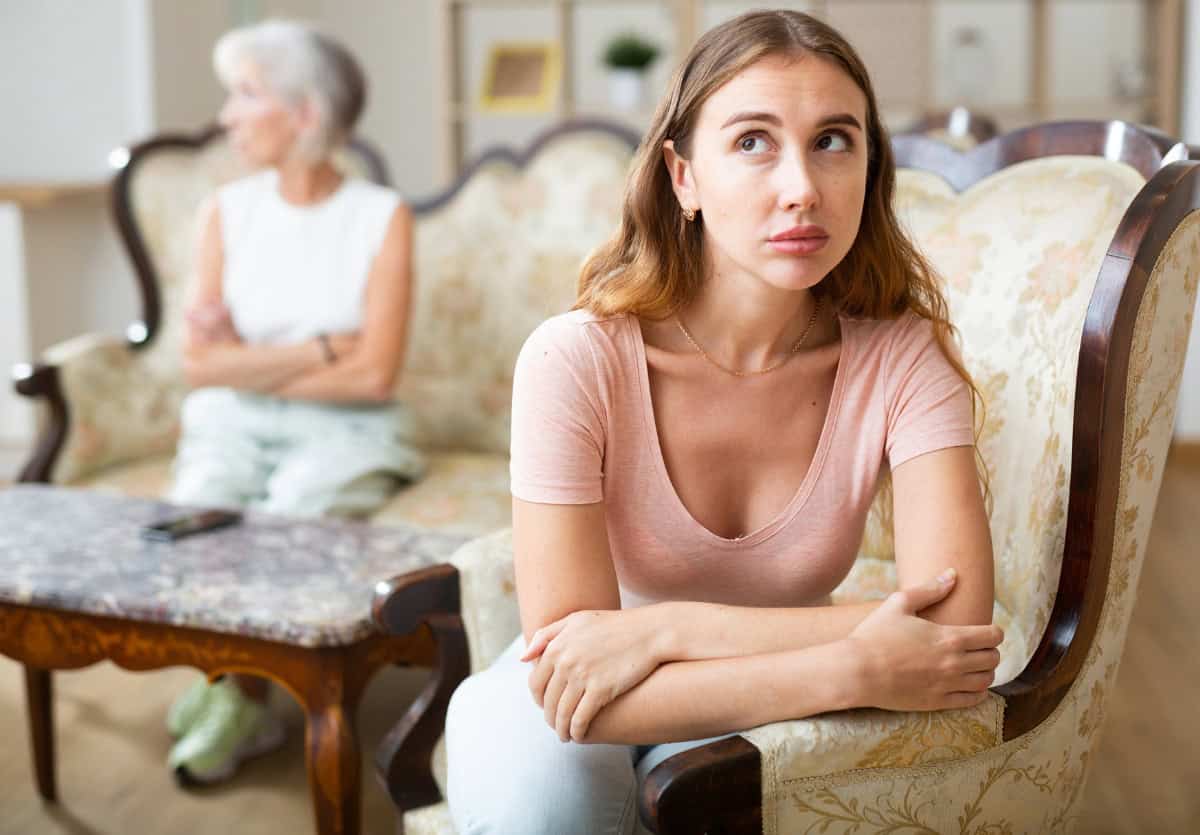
x=696 y=445
x=296 y=331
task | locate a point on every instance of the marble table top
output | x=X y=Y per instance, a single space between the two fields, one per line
x=299 y=582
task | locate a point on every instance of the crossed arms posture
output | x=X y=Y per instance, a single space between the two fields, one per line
x=682 y=670
x=367 y=362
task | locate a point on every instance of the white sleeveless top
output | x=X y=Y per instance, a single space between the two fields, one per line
x=291 y=272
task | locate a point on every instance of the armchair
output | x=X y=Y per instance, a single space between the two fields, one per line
x=1071 y=253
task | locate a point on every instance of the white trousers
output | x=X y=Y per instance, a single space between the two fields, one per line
x=290 y=457
x=508 y=773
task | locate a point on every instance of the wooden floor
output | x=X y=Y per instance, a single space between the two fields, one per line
x=112 y=745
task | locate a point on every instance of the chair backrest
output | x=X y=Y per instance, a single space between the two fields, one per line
x=496 y=254
x=1035 y=234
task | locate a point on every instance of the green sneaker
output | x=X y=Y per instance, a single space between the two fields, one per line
x=188 y=707
x=230 y=730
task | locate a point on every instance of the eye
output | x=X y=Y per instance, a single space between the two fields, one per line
x=753 y=143
x=834 y=141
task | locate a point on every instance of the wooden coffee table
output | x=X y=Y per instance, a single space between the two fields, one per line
x=283 y=599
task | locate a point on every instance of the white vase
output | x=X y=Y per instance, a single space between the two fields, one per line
x=625 y=88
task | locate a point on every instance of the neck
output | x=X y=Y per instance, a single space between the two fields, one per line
x=746 y=324
x=303 y=183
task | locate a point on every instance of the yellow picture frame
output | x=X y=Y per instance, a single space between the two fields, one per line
x=521 y=77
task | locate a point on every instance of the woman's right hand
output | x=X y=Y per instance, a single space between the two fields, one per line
x=909 y=663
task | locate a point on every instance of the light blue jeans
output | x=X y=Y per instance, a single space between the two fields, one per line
x=510 y=775
x=290 y=457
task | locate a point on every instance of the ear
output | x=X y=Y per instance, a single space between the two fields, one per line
x=682 y=181
x=307 y=115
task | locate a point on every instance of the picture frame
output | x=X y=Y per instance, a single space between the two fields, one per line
x=521 y=77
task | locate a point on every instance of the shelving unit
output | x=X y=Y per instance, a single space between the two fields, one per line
x=898 y=39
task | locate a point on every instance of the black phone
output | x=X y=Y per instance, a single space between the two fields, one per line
x=199 y=521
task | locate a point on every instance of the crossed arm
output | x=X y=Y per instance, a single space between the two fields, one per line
x=684 y=670
x=367 y=362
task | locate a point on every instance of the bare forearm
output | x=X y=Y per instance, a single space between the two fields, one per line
x=697 y=631
x=349 y=380
x=696 y=699
x=260 y=368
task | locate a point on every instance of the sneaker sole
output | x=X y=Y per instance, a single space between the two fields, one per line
x=264 y=742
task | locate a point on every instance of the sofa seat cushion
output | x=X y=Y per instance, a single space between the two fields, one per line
x=463 y=492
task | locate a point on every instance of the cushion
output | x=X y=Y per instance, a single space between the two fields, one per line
x=463 y=493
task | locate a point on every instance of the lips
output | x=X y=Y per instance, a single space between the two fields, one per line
x=800 y=240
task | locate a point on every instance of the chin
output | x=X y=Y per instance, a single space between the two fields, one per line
x=796 y=277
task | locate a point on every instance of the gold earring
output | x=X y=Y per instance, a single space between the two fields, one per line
x=689 y=215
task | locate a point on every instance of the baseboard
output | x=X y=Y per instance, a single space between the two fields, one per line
x=1185 y=454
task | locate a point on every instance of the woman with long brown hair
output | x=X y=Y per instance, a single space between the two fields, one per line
x=696 y=445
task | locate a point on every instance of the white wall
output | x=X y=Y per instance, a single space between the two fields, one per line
x=16 y=414
x=73 y=86
x=1187 y=422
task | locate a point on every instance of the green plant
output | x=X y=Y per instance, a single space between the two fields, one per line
x=629 y=51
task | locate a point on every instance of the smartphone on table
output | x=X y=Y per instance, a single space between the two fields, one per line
x=191 y=522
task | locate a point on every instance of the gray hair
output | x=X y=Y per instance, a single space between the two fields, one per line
x=298 y=63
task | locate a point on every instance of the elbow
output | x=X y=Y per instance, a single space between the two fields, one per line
x=377 y=385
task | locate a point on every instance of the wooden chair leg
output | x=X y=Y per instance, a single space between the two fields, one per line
x=403 y=759
x=39 y=693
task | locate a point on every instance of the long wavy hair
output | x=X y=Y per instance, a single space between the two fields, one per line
x=654 y=265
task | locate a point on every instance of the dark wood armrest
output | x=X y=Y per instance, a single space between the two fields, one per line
x=715 y=789
x=401 y=605
x=42 y=381
x=405 y=601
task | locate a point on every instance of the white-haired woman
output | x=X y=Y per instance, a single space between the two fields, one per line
x=295 y=334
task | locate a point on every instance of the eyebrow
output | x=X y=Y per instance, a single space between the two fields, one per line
x=771 y=119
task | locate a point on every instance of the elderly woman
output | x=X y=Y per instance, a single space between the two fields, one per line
x=295 y=334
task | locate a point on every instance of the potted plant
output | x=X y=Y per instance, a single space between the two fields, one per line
x=627 y=57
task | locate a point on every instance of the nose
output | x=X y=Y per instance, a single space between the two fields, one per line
x=796 y=186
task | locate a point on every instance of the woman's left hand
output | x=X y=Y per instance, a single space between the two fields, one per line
x=586 y=660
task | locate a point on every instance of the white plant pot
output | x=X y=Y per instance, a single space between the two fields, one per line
x=626 y=88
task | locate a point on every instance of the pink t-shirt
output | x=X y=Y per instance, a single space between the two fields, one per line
x=584 y=431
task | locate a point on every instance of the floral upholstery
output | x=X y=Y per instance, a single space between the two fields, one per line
x=1020 y=252
x=492 y=264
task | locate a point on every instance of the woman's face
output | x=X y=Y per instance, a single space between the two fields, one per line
x=262 y=127
x=778 y=170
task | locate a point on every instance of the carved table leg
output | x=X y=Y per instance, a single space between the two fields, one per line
x=334 y=764
x=39 y=693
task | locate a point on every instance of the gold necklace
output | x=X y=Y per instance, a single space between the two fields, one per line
x=812 y=320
